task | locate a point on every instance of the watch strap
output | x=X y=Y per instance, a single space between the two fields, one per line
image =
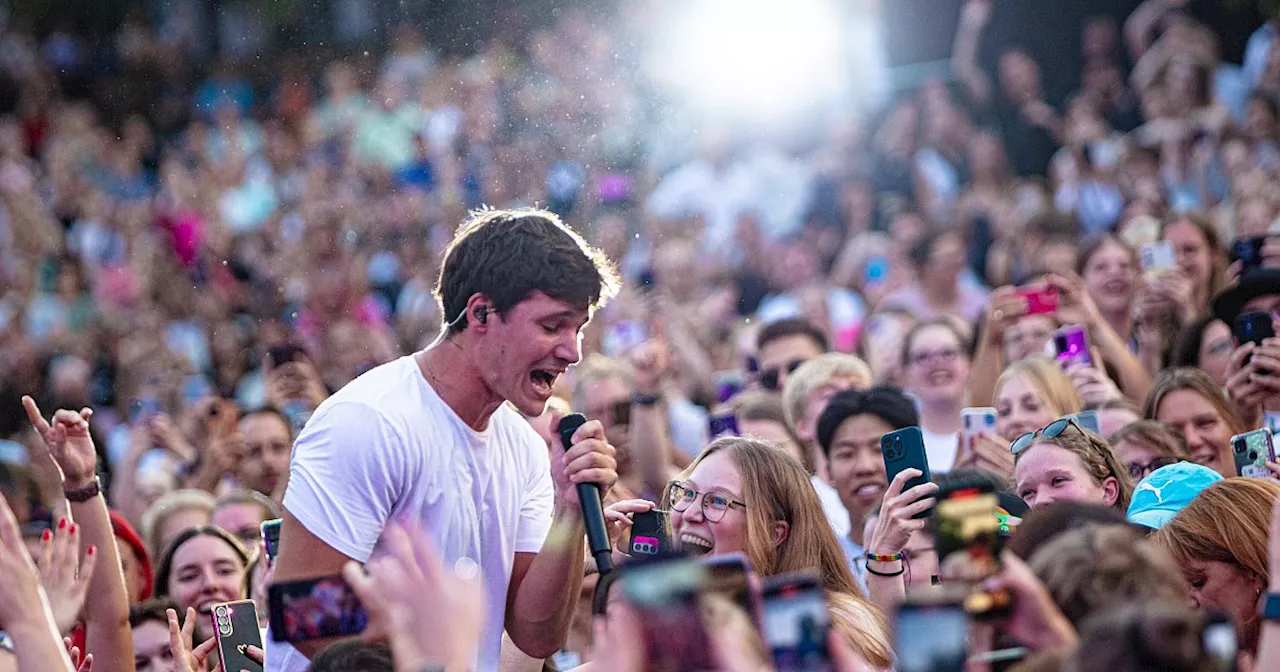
x=86 y=493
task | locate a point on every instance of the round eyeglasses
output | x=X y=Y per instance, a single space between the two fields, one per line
x=714 y=504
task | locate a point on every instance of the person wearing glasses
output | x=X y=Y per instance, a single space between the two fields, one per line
x=782 y=346
x=1147 y=445
x=936 y=358
x=746 y=496
x=1063 y=462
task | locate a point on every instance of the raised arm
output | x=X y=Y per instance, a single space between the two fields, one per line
x=24 y=613
x=964 y=54
x=106 y=615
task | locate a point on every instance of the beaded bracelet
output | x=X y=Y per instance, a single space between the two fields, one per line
x=892 y=557
x=888 y=575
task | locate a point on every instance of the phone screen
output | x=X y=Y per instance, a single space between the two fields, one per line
x=1157 y=256
x=796 y=622
x=665 y=596
x=236 y=625
x=1072 y=345
x=931 y=638
x=313 y=609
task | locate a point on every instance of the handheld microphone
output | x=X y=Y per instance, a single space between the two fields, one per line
x=589 y=500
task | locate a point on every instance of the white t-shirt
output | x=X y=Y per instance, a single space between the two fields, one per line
x=941 y=450
x=837 y=515
x=387 y=447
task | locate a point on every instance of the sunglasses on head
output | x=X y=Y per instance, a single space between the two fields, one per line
x=769 y=378
x=1050 y=431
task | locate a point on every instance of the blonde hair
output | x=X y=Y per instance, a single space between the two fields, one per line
x=179 y=500
x=818 y=372
x=1155 y=437
x=1189 y=378
x=1099 y=459
x=1053 y=386
x=593 y=369
x=863 y=626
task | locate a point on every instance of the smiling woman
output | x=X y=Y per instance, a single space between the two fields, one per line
x=203 y=566
x=745 y=496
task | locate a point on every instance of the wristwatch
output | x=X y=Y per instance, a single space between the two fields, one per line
x=1271 y=607
x=86 y=493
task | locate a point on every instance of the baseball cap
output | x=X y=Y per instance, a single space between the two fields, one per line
x=1256 y=282
x=1163 y=493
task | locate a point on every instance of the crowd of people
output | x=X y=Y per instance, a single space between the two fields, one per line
x=247 y=296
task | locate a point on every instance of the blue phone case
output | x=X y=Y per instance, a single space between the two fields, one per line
x=904 y=449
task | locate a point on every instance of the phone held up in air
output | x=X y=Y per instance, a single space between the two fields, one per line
x=1254 y=328
x=930 y=634
x=1041 y=299
x=904 y=449
x=667 y=598
x=1072 y=345
x=796 y=622
x=1157 y=256
x=236 y=627
x=314 y=609
x=651 y=534
x=975 y=422
x=1252 y=451
x=271 y=536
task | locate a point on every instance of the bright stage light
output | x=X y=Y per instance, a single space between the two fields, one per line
x=755 y=59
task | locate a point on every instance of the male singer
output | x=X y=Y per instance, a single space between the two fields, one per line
x=430 y=437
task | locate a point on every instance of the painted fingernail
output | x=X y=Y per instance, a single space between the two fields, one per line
x=91 y=550
x=73 y=528
x=62 y=524
x=46 y=535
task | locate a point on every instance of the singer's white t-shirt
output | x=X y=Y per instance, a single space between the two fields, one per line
x=386 y=447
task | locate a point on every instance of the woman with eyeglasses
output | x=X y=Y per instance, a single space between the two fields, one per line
x=936 y=359
x=1147 y=445
x=745 y=496
x=1063 y=462
x=1205 y=343
x=1189 y=401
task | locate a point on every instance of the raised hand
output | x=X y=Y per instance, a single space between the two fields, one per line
x=63 y=575
x=68 y=440
x=433 y=615
x=186 y=658
x=896 y=523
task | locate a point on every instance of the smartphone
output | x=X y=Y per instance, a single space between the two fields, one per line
x=966 y=529
x=236 y=627
x=728 y=575
x=1072 y=345
x=314 y=609
x=1219 y=640
x=796 y=622
x=1254 y=328
x=1041 y=299
x=723 y=424
x=666 y=596
x=1157 y=256
x=1252 y=451
x=623 y=337
x=651 y=534
x=729 y=384
x=931 y=636
x=271 y=536
x=904 y=449
x=285 y=353
x=1248 y=251
x=1088 y=420
x=975 y=422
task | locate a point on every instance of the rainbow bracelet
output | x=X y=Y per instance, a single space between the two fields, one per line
x=876 y=557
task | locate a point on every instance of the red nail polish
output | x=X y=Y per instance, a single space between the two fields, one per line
x=91 y=550
x=62 y=524
x=46 y=535
x=73 y=528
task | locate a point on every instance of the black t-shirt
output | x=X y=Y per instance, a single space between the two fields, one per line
x=1030 y=148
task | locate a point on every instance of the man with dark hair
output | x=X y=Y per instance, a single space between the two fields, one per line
x=849 y=432
x=434 y=437
x=782 y=346
x=267 y=437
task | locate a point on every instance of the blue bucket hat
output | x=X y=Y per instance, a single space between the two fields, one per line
x=1162 y=494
